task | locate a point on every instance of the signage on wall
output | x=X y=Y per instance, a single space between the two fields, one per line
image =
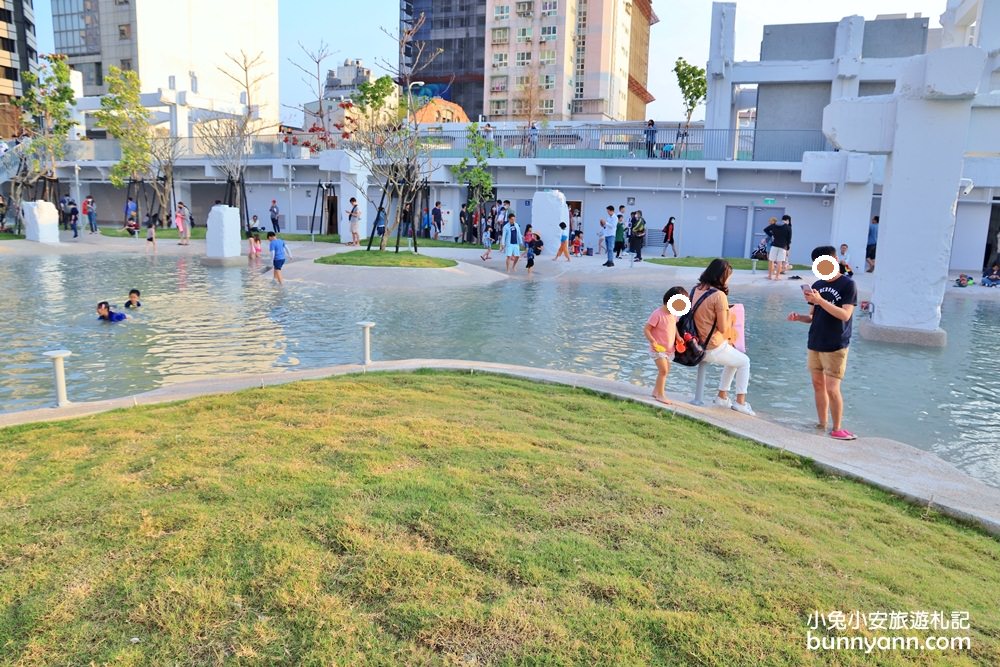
x=770 y=200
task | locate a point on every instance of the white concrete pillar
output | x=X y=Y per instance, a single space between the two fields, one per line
x=847 y=57
x=851 y=211
x=718 y=72
x=920 y=194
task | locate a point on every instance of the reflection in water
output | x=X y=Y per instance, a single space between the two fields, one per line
x=198 y=322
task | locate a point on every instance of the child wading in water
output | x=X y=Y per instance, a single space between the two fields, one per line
x=661 y=332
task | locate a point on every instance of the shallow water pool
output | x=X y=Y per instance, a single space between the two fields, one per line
x=198 y=322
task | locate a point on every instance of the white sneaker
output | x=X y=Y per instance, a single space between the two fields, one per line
x=743 y=408
x=723 y=402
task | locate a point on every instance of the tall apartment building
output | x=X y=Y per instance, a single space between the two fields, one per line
x=458 y=28
x=178 y=44
x=567 y=59
x=18 y=54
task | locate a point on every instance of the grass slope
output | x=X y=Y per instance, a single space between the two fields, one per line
x=450 y=519
x=702 y=262
x=391 y=258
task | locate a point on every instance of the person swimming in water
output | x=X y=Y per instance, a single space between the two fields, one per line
x=133 y=299
x=105 y=313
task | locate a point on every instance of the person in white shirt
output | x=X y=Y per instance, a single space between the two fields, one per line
x=511 y=240
x=845 y=260
x=608 y=225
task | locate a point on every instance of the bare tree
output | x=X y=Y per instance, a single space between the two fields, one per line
x=318 y=122
x=391 y=149
x=228 y=139
x=164 y=150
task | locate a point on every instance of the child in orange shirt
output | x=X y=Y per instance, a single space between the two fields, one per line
x=661 y=332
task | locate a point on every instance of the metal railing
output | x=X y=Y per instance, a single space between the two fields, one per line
x=609 y=142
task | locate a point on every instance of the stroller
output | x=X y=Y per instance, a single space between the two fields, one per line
x=760 y=252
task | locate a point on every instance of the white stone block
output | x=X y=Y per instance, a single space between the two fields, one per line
x=953 y=73
x=223 y=236
x=548 y=209
x=41 y=221
x=865 y=124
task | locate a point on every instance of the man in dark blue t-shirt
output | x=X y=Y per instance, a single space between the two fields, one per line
x=832 y=301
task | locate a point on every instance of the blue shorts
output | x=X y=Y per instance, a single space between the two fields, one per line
x=278 y=263
x=513 y=250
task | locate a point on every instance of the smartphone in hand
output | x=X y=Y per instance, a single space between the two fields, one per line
x=806 y=289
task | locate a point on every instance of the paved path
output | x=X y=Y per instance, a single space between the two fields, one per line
x=906 y=471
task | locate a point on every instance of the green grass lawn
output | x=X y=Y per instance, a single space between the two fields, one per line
x=702 y=262
x=403 y=258
x=437 y=518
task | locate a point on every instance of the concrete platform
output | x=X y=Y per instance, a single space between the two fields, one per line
x=910 y=473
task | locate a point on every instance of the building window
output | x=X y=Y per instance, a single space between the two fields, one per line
x=498 y=107
x=499 y=60
x=547 y=106
x=550 y=7
x=501 y=12
x=522 y=58
x=524 y=34
x=548 y=81
x=127 y=64
x=121 y=2
x=498 y=84
x=501 y=35
x=125 y=31
x=93 y=74
x=10 y=73
x=520 y=107
x=548 y=33
x=525 y=8
x=6 y=16
x=7 y=44
x=548 y=57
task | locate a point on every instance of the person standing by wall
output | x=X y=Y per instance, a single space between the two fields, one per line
x=354 y=219
x=872 y=242
x=436 y=219
x=779 y=233
x=91 y=210
x=638 y=235
x=609 y=225
x=274 y=211
x=831 y=306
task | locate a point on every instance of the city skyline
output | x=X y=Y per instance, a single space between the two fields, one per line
x=682 y=32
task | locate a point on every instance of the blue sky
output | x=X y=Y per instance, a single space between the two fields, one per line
x=683 y=30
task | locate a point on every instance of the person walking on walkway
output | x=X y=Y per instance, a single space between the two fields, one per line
x=638 y=237
x=563 y=243
x=511 y=240
x=668 y=238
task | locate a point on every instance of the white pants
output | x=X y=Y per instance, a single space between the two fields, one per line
x=734 y=363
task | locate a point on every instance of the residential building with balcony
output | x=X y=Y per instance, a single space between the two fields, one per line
x=18 y=54
x=170 y=45
x=458 y=29
x=567 y=59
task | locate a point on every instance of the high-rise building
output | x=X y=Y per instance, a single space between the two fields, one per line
x=458 y=28
x=178 y=45
x=18 y=54
x=567 y=59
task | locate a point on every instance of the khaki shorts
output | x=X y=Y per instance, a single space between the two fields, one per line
x=776 y=254
x=832 y=364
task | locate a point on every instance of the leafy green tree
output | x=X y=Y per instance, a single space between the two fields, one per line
x=46 y=105
x=125 y=119
x=474 y=167
x=694 y=88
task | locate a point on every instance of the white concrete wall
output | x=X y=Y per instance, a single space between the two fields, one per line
x=972 y=223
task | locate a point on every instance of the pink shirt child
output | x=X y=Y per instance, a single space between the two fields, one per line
x=254 y=246
x=664 y=328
